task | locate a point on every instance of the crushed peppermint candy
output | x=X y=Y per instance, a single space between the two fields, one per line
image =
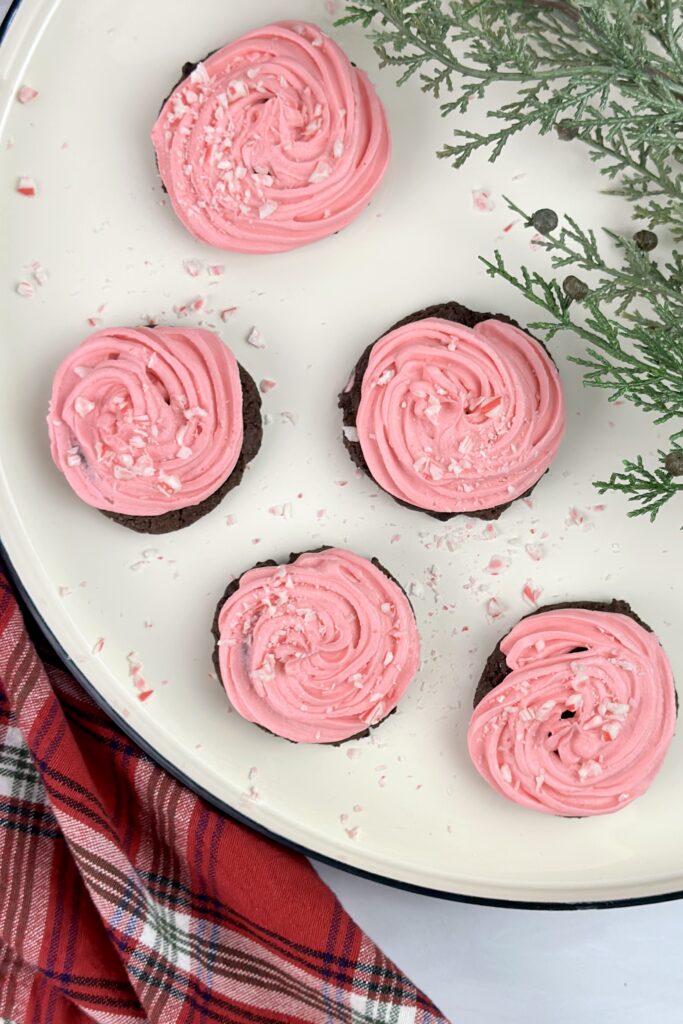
x=267 y=209
x=193 y=267
x=39 y=273
x=283 y=511
x=255 y=338
x=266 y=385
x=26 y=186
x=589 y=769
x=25 y=289
x=228 y=313
x=496 y=566
x=481 y=200
x=200 y=74
x=168 y=483
x=530 y=593
x=83 y=406
x=576 y=517
x=26 y=94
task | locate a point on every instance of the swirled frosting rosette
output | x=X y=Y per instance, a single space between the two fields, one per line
x=318 y=650
x=274 y=141
x=146 y=423
x=579 y=713
x=451 y=418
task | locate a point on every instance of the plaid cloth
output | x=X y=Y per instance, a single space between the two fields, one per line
x=124 y=897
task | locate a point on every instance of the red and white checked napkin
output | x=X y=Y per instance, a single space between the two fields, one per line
x=124 y=897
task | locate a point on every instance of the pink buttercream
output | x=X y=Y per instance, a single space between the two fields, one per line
x=459 y=419
x=147 y=420
x=616 y=694
x=272 y=142
x=318 y=650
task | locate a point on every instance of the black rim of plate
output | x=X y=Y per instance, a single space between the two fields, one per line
x=231 y=812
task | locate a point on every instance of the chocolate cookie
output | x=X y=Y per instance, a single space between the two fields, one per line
x=152 y=426
x=364 y=697
x=350 y=403
x=269 y=184
x=575 y=710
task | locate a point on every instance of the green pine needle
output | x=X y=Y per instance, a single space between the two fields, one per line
x=649 y=489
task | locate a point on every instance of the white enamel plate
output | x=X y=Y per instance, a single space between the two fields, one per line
x=404 y=805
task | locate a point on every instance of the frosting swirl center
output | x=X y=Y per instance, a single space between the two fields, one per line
x=317 y=650
x=459 y=419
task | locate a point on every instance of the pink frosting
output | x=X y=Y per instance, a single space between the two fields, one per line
x=576 y=732
x=147 y=420
x=272 y=142
x=318 y=650
x=459 y=419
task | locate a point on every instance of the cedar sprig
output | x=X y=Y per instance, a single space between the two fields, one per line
x=630 y=315
x=608 y=73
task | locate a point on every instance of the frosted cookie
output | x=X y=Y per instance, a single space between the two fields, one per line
x=575 y=710
x=318 y=650
x=274 y=141
x=153 y=426
x=453 y=411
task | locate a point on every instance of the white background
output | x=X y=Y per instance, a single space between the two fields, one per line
x=485 y=965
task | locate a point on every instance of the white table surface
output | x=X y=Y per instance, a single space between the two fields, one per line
x=484 y=965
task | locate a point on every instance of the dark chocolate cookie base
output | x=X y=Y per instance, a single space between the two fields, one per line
x=178 y=519
x=233 y=586
x=496 y=668
x=349 y=401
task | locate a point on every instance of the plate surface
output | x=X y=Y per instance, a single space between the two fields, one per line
x=406 y=804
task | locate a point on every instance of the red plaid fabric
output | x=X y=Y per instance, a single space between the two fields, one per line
x=124 y=897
